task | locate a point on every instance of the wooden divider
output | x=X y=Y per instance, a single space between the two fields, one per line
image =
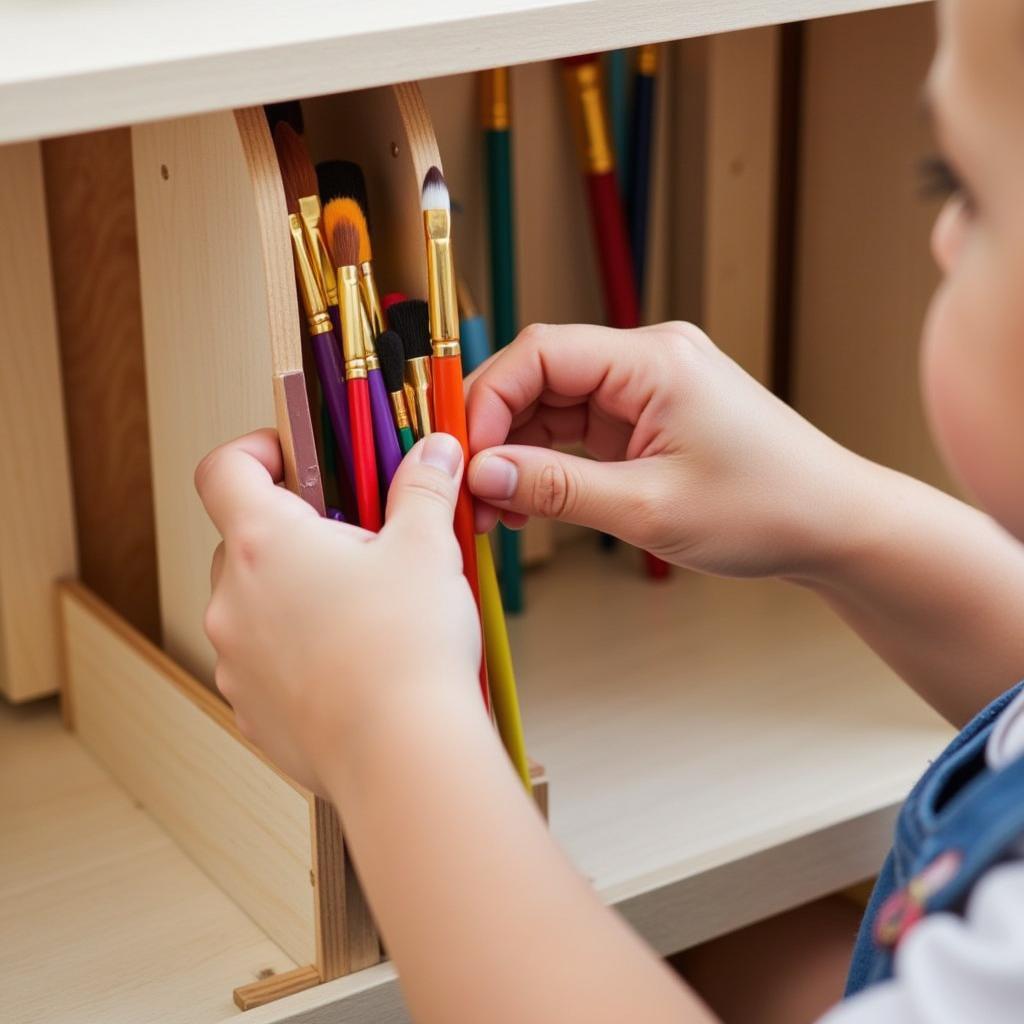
x=37 y=538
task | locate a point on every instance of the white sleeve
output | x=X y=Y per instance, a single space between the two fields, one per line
x=953 y=970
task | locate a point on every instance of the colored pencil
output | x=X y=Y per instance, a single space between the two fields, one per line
x=496 y=114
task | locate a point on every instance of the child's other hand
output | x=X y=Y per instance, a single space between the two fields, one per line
x=323 y=631
x=698 y=463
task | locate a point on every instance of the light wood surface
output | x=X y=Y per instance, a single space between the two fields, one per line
x=102 y=916
x=99 y=66
x=718 y=750
x=37 y=540
x=276 y=986
x=865 y=272
x=91 y=213
x=148 y=724
x=739 y=242
x=209 y=324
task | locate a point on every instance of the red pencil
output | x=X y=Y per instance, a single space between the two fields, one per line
x=586 y=102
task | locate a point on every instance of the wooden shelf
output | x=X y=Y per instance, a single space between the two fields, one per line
x=102 y=917
x=92 y=66
x=718 y=751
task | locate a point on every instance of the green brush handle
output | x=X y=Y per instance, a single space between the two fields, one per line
x=503 y=300
x=405 y=439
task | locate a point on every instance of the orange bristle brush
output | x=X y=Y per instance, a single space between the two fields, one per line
x=345 y=251
x=446 y=362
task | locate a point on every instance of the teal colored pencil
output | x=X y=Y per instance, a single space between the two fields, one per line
x=617 y=74
x=497 y=123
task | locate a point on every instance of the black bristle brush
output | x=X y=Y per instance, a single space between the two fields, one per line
x=392 y=366
x=411 y=320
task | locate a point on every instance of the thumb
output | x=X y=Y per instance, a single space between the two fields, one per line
x=422 y=496
x=606 y=496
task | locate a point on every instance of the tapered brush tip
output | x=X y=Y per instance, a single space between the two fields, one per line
x=392 y=360
x=435 y=191
x=411 y=320
x=297 y=174
x=342 y=179
x=343 y=239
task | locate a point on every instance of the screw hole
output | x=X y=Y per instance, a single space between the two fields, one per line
x=164 y=173
x=394 y=149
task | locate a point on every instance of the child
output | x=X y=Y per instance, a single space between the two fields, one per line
x=702 y=466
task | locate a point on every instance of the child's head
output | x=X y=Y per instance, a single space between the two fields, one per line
x=973 y=355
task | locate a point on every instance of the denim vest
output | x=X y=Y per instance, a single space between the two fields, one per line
x=959 y=820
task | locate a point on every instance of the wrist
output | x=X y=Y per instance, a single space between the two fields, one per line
x=394 y=724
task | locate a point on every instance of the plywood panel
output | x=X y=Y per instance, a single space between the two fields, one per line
x=865 y=273
x=174 y=747
x=91 y=206
x=739 y=241
x=37 y=542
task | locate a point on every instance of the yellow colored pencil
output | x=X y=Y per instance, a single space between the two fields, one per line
x=504 y=700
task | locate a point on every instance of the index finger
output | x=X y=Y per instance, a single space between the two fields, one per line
x=573 y=362
x=239 y=477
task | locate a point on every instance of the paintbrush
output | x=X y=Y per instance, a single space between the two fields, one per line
x=638 y=180
x=446 y=362
x=342 y=179
x=590 y=121
x=392 y=367
x=300 y=190
x=412 y=322
x=347 y=216
x=345 y=250
x=289 y=111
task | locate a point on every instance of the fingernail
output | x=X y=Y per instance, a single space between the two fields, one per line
x=495 y=478
x=442 y=452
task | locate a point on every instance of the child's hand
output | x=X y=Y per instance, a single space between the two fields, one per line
x=324 y=631
x=698 y=462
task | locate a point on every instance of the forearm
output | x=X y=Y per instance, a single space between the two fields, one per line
x=935 y=587
x=482 y=914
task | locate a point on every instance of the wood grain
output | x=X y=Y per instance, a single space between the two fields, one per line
x=865 y=273
x=164 y=739
x=91 y=207
x=739 y=239
x=37 y=540
x=102 y=916
x=266 y=990
x=214 y=319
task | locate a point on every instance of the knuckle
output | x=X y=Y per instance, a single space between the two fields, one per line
x=215 y=624
x=431 y=487
x=207 y=465
x=250 y=541
x=555 y=491
x=533 y=334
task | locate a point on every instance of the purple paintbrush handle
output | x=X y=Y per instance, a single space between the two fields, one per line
x=331 y=372
x=385 y=437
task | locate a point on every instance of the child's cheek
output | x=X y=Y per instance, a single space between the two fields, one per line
x=972 y=370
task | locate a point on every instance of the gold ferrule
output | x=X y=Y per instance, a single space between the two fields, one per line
x=495 y=100
x=351 y=308
x=311 y=215
x=400 y=409
x=447 y=348
x=647 y=60
x=312 y=297
x=590 y=120
x=441 y=296
x=355 y=369
x=371 y=299
x=417 y=376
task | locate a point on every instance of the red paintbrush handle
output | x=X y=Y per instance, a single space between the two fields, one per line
x=613 y=252
x=450 y=418
x=363 y=455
